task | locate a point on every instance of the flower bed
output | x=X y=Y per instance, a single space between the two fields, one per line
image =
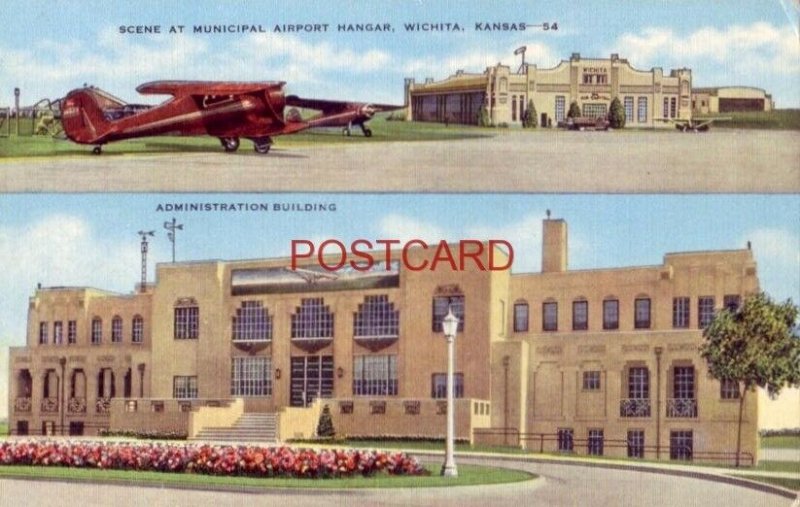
x=208 y=459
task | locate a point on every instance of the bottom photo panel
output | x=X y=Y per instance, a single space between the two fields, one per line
x=557 y=344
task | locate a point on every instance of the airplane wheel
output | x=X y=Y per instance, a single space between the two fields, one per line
x=230 y=144
x=97 y=150
x=262 y=145
x=367 y=132
x=346 y=132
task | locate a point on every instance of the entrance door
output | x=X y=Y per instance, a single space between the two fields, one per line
x=312 y=377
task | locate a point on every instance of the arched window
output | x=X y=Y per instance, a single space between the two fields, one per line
x=97 y=331
x=137 y=329
x=312 y=319
x=252 y=322
x=580 y=314
x=521 y=316
x=116 y=329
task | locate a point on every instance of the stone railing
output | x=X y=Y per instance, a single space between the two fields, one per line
x=634 y=407
x=103 y=406
x=682 y=407
x=76 y=405
x=49 y=405
x=22 y=404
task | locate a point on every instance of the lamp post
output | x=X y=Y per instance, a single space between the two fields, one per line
x=450 y=327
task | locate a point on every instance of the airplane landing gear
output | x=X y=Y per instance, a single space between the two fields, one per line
x=346 y=131
x=230 y=144
x=97 y=150
x=262 y=144
x=367 y=132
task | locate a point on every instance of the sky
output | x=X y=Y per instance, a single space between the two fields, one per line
x=49 y=47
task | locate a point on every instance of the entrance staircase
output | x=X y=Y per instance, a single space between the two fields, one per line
x=251 y=427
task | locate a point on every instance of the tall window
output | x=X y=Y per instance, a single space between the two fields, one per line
x=683 y=382
x=731 y=302
x=560 y=108
x=636 y=443
x=58 y=332
x=629 y=109
x=252 y=322
x=591 y=380
x=594 y=444
x=513 y=108
x=673 y=107
x=580 y=315
x=520 y=317
x=184 y=387
x=611 y=314
x=251 y=376
x=565 y=439
x=681 y=443
x=680 y=312
x=97 y=331
x=375 y=375
x=72 y=332
x=43 y=333
x=594 y=110
x=638 y=383
x=439 y=385
x=187 y=322
x=376 y=317
x=642 y=110
x=665 y=108
x=729 y=389
x=550 y=316
x=441 y=304
x=312 y=319
x=116 y=329
x=137 y=329
x=641 y=313
x=705 y=311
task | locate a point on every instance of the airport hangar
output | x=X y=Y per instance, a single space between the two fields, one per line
x=598 y=361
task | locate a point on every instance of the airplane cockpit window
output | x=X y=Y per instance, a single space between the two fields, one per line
x=215 y=100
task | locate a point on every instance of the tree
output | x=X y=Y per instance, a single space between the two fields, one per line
x=483 y=117
x=616 y=114
x=529 y=120
x=574 y=110
x=325 y=424
x=754 y=346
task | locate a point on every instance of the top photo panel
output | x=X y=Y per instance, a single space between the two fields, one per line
x=400 y=96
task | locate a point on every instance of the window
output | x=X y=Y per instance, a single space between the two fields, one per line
x=116 y=329
x=97 y=331
x=43 y=333
x=629 y=108
x=729 y=389
x=731 y=302
x=683 y=387
x=252 y=322
x=376 y=317
x=680 y=444
x=580 y=315
x=72 y=332
x=441 y=304
x=641 y=313
x=565 y=439
x=58 y=333
x=520 y=317
x=187 y=322
x=665 y=108
x=602 y=79
x=642 y=110
x=560 y=108
x=594 y=444
x=137 y=329
x=312 y=319
x=680 y=312
x=439 y=385
x=638 y=383
x=636 y=443
x=184 y=387
x=673 y=107
x=595 y=110
x=375 y=375
x=705 y=311
x=611 y=314
x=513 y=108
x=550 y=316
x=251 y=376
x=591 y=380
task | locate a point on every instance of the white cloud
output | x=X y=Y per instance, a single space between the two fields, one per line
x=59 y=250
x=396 y=226
x=777 y=252
x=477 y=59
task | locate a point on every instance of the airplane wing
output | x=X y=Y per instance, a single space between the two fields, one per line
x=180 y=88
x=330 y=107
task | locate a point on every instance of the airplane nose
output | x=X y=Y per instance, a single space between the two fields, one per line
x=368 y=110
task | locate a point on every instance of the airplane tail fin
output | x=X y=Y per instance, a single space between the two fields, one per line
x=82 y=117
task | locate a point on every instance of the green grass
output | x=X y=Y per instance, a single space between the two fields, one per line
x=793 y=484
x=781 y=442
x=468 y=475
x=778 y=466
x=4 y=428
x=425 y=446
x=779 y=119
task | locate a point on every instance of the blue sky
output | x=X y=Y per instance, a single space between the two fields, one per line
x=50 y=47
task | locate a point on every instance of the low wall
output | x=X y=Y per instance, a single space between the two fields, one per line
x=211 y=417
x=300 y=422
x=148 y=414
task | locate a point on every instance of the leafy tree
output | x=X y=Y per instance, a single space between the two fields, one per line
x=483 y=117
x=616 y=114
x=574 y=110
x=529 y=120
x=325 y=424
x=754 y=346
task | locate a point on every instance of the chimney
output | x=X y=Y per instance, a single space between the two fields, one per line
x=554 y=245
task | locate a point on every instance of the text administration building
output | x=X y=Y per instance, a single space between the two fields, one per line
x=599 y=361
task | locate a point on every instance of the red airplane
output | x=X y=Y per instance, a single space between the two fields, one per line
x=227 y=110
